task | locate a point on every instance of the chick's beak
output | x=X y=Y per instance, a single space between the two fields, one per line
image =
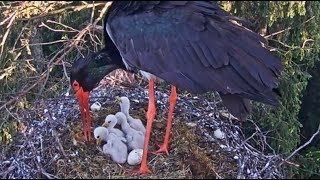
x=98 y=141
x=117 y=100
x=105 y=124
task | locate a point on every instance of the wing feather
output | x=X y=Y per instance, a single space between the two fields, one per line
x=194 y=46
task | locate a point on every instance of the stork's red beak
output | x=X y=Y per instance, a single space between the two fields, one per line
x=83 y=100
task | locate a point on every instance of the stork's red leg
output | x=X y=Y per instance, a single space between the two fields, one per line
x=173 y=99
x=150 y=117
x=83 y=116
x=88 y=123
x=83 y=99
x=84 y=124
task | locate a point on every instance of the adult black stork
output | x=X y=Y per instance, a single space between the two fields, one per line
x=193 y=45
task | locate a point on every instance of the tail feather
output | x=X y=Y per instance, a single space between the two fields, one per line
x=237 y=106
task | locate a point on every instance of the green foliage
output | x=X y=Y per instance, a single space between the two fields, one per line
x=310 y=164
x=298 y=44
x=310 y=108
x=298 y=60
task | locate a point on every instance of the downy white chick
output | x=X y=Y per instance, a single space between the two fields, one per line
x=101 y=134
x=135 y=139
x=133 y=122
x=116 y=148
x=110 y=122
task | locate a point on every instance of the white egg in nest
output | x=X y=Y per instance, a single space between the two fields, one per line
x=219 y=134
x=135 y=157
x=95 y=106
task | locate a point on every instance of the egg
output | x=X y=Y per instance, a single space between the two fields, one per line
x=95 y=106
x=219 y=134
x=135 y=157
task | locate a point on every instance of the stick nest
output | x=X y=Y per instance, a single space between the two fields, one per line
x=48 y=142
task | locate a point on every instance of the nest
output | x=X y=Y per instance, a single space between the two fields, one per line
x=48 y=143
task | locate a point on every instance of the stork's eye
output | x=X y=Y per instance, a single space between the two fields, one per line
x=98 y=137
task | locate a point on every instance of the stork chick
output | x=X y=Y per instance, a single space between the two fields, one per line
x=135 y=139
x=110 y=122
x=133 y=122
x=116 y=148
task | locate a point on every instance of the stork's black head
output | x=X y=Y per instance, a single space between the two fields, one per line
x=87 y=72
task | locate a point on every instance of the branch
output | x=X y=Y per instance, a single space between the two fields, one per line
x=55 y=30
x=7 y=32
x=63 y=25
x=303 y=146
x=74 y=8
x=289 y=28
x=56 y=59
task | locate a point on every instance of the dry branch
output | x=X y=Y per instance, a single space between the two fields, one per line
x=69 y=8
x=302 y=146
x=58 y=57
x=287 y=29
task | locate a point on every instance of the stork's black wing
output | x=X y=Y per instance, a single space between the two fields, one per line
x=194 y=45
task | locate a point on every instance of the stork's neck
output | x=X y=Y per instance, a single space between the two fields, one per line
x=125 y=108
x=125 y=125
x=113 y=123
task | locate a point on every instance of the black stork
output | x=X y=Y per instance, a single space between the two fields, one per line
x=193 y=45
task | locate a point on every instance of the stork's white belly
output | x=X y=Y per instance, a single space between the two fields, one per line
x=147 y=75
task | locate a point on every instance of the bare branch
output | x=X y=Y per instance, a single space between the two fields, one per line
x=63 y=25
x=287 y=29
x=304 y=145
x=55 y=30
x=69 y=8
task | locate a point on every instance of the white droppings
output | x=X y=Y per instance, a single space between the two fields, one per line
x=135 y=100
x=190 y=124
x=95 y=106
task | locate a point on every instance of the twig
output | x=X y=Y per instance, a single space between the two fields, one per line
x=52 y=42
x=5 y=173
x=63 y=25
x=305 y=41
x=10 y=17
x=302 y=146
x=65 y=70
x=55 y=30
x=49 y=176
x=92 y=14
x=74 y=8
x=7 y=32
x=287 y=29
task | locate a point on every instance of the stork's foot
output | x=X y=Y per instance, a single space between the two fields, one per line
x=163 y=148
x=142 y=170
